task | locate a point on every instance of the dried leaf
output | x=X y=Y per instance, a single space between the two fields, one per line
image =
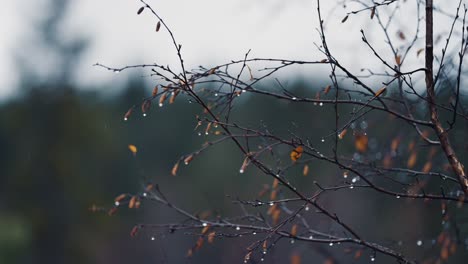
x=213 y=70
x=205 y=229
x=342 y=133
x=145 y=106
x=112 y=211
x=132 y=202
x=199 y=243
x=134 y=231
x=140 y=10
x=427 y=167
x=120 y=197
x=275 y=216
x=265 y=245
x=360 y=142
x=305 y=171
x=275 y=183
x=211 y=237
x=412 y=159
x=401 y=35
x=128 y=114
x=162 y=99
x=372 y=14
x=188 y=159
x=173 y=97
x=273 y=195
x=158 y=26
x=155 y=91
x=398 y=60
x=294 y=230
x=149 y=187
x=295 y=259
x=324 y=60
x=247 y=257
x=174 y=169
x=296 y=153
x=132 y=149
x=395 y=144
x=327 y=89
x=358 y=254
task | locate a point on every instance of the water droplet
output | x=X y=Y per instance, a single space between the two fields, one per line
x=321 y=104
x=355 y=179
x=271 y=204
x=353 y=125
x=152 y=238
x=254 y=233
x=419 y=243
x=294 y=98
x=323 y=140
x=199 y=133
x=331 y=244
x=160 y=105
x=351 y=186
x=311 y=237
x=125 y=119
x=116 y=71
x=345 y=174
x=204 y=224
x=145 y=194
x=315 y=103
x=207 y=133
x=292 y=241
x=372 y=259
x=172 y=93
x=363 y=125
x=117 y=203
x=262 y=259
x=241 y=171
x=144 y=114
x=237 y=228
x=216 y=94
x=398 y=197
x=307 y=208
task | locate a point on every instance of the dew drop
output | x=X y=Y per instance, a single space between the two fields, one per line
x=117 y=203
x=323 y=140
x=419 y=243
x=145 y=194
x=363 y=125
x=116 y=71
x=204 y=224
x=206 y=133
x=294 y=98
x=262 y=259
x=160 y=105
x=237 y=228
x=271 y=204
x=125 y=119
x=331 y=244
x=292 y=241
x=144 y=114
x=321 y=104
x=241 y=171
x=351 y=186
x=152 y=238
x=254 y=233
x=216 y=94
x=398 y=197
x=355 y=179
x=311 y=237
x=307 y=208
x=372 y=259
x=199 y=133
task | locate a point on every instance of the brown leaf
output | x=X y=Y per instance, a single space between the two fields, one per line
x=398 y=60
x=305 y=171
x=358 y=254
x=120 y=197
x=211 y=237
x=327 y=89
x=174 y=169
x=112 y=211
x=199 y=243
x=145 y=106
x=295 y=259
x=188 y=159
x=158 y=26
x=149 y=187
x=173 y=97
x=162 y=99
x=134 y=231
x=275 y=183
x=155 y=91
x=128 y=114
x=342 y=133
x=132 y=202
x=372 y=14
x=205 y=229
x=419 y=51
x=401 y=35
x=427 y=167
x=412 y=159
x=360 y=142
x=294 y=230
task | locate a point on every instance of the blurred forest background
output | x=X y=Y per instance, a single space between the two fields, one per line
x=64 y=148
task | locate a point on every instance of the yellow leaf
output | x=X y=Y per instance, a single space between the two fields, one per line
x=381 y=91
x=133 y=149
x=412 y=159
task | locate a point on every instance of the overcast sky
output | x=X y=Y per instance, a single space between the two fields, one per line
x=211 y=32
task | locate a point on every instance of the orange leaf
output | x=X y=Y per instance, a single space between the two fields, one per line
x=296 y=153
x=412 y=159
x=188 y=159
x=211 y=237
x=342 y=133
x=120 y=197
x=294 y=230
x=398 y=60
x=360 y=142
x=275 y=183
x=427 y=167
x=132 y=202
x=295 y=259
x=305 y=171
x=205 y=229
x=128 y=114
x=174 y=169
x=132 y=149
